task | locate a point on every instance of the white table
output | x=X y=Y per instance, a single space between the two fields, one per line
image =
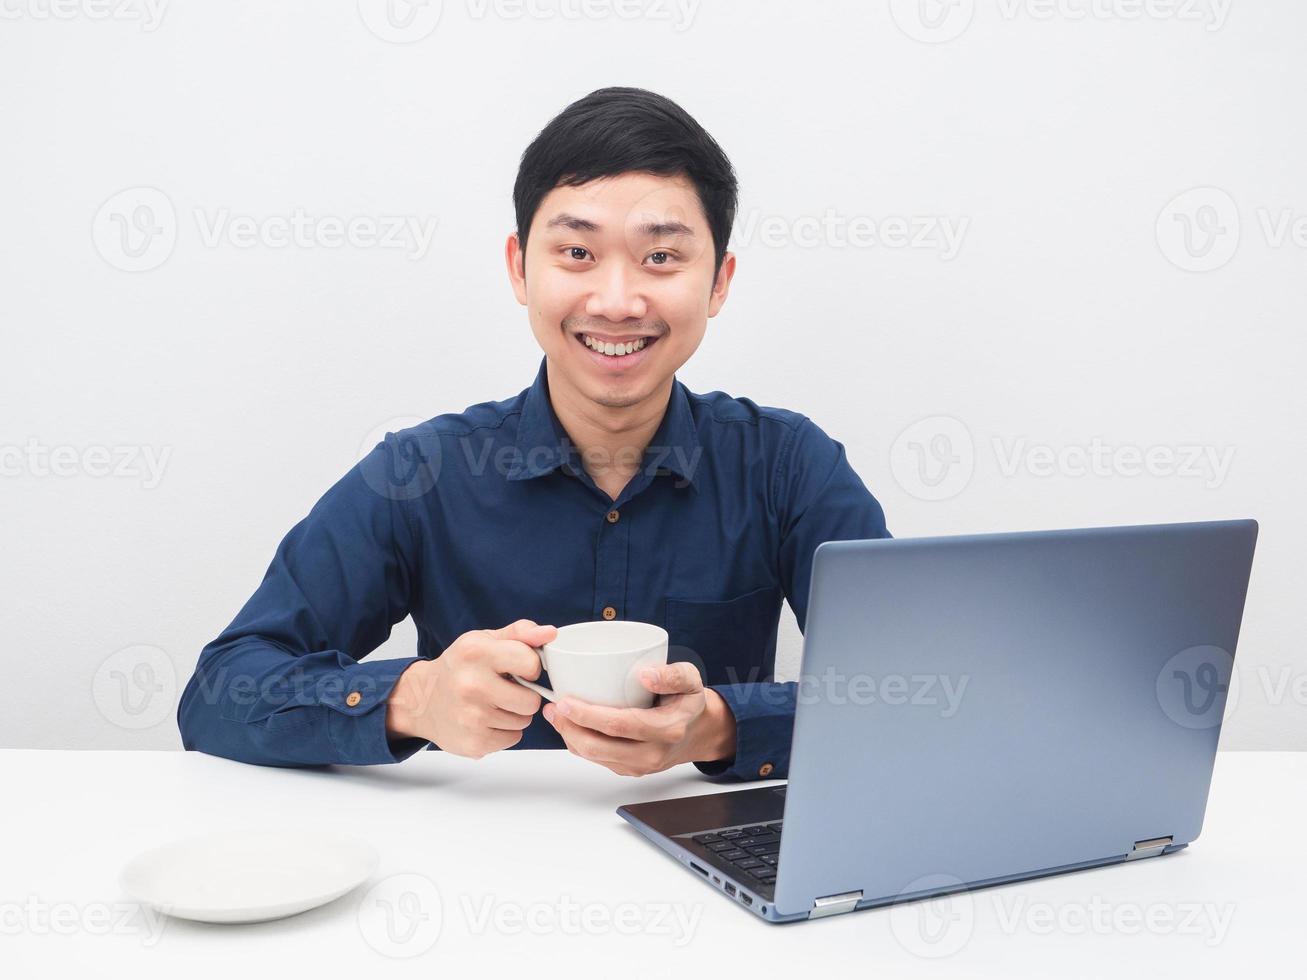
x=530 y=837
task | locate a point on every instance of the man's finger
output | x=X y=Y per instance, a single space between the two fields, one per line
x=515 y=630
x=511 y=696
x=680 y=677
x=624 y=723
x=593 y=745
x=525 y=632
x=516 y=656
x=509 y=721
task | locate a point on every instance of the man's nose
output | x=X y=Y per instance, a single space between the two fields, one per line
x=617 y=294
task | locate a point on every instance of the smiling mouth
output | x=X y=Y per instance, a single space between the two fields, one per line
x=614 y=350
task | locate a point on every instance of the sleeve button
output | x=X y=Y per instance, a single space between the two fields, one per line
x=354 y=698
x=765 y=769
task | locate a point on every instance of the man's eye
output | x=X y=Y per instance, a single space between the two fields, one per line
x=572 y=252
x=661 y=258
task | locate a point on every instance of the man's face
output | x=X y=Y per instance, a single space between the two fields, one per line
x=620 y=260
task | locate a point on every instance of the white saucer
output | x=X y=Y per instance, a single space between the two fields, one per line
x=247 y=876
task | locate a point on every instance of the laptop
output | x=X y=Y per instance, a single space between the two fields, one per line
x=980 y=709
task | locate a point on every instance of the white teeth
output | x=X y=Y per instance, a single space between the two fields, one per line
x=614 y=350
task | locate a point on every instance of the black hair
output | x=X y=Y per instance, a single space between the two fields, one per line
x=621 y=130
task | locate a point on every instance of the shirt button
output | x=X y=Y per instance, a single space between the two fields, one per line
x=612 y=517
x=765 y=769
x=609 y=612
x=354 y=698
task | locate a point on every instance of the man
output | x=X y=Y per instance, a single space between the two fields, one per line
x=605 y=490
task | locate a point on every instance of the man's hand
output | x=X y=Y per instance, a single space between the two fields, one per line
x=462 y=701
x=687 y=724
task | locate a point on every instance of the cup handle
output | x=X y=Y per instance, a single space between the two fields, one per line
x=544 y=692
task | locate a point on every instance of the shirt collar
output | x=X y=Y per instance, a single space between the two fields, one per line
x=543 y=444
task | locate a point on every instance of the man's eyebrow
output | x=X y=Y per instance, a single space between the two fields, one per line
x=664 y=229
x=566 y=220
x=650 y=229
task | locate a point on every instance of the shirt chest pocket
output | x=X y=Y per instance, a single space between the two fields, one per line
x=731 y=641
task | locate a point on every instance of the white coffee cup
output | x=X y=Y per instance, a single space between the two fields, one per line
x=600 y=662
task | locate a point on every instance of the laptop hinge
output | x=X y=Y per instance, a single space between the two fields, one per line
x=1148 y=848
x=834 y=904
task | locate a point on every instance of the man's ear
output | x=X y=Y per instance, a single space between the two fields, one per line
x=515 y=259
x=722 y=284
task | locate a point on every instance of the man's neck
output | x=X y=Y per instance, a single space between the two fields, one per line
x=611 y=441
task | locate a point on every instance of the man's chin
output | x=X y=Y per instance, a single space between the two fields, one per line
x=612 y=391
x=615 y=394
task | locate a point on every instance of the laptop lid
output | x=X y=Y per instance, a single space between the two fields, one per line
x=987 y=706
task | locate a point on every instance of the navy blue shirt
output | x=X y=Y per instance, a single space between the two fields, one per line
x=474 y=520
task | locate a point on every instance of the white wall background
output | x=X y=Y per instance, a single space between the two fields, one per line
x=1068 y=310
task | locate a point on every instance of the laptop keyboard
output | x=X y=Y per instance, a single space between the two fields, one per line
x=751 y=851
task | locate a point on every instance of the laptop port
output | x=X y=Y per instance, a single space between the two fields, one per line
x=699 y=869
x=730 y=889
x=746 y=899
